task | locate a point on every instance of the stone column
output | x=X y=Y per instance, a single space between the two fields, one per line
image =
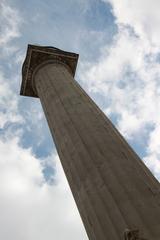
x=117 y=196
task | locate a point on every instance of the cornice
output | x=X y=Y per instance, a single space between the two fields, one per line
x=36 y=56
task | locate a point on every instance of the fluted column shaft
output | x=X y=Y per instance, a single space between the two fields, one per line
x=112 y=187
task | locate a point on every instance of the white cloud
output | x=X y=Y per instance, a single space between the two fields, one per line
x=8 y=104
x=9 y=30
x=9 y=23
x=153 y=157
x=31 y=209
x=142 y=15
x=130 y=83
x=127 y=74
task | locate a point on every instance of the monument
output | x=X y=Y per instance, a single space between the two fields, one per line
x=117 y=196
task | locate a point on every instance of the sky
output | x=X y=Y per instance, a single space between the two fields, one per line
x=119 y=67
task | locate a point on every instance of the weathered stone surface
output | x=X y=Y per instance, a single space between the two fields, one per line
x=112 y=187
x=36 y=57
